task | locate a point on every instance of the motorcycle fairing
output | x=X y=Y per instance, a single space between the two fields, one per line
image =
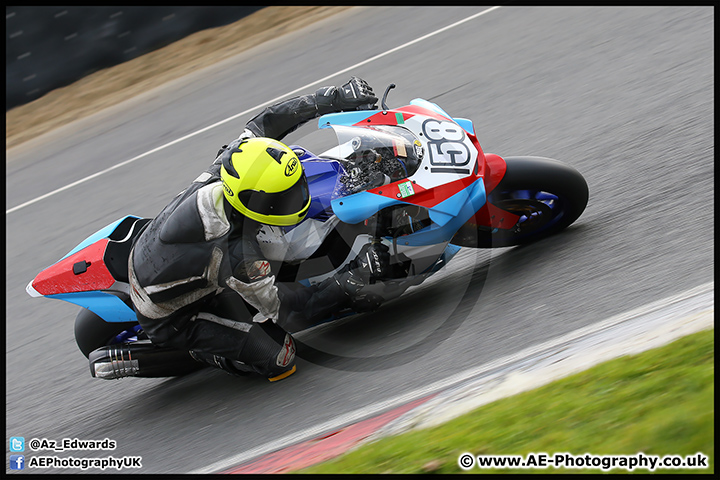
x=83 y=276
x=447 y=215
x=104 y=232
x=82 y=271
x=450 y=198
x=83 y=279
x=103 y=304
x=392 y=117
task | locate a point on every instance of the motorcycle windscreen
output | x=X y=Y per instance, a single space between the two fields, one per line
x=370 y=157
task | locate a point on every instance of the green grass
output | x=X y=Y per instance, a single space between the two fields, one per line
x=659 y=402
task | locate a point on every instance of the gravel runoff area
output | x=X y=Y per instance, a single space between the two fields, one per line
x=111 y=86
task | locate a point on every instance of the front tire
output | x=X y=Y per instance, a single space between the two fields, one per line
x=546 y=194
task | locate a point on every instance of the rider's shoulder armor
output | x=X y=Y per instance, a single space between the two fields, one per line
x=179 y=243
x=184 y=224
x=199 y=217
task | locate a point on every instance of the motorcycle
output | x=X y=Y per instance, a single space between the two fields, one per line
x=412 y=178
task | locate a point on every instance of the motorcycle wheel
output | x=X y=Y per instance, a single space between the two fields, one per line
x=92 y=332
x=547 y=195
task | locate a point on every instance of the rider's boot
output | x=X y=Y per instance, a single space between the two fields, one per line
x=236 y=367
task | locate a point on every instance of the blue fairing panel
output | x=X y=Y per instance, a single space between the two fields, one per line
x=447 y=216
x=353 y=118
x=466 y=125
x=465 y=203
x=359 y=206
x=107 y=306
x=100 y=234
x=345 y=118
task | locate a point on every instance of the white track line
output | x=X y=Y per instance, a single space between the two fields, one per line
x=250 y=110
x=657 y=308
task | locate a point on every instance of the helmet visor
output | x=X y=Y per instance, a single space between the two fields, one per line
x=288 y=202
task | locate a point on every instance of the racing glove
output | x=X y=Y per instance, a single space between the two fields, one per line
x=371 y=264
x=356 y=94
x=352 y=285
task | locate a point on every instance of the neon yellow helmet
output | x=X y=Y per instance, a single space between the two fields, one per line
x=264 y=180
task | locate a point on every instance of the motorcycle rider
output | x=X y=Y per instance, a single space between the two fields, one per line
x=197 y=274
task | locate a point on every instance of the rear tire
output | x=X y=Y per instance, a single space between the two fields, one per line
x=92 y=332
x=547 y=194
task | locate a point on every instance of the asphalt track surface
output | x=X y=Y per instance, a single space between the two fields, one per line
x=625 y=95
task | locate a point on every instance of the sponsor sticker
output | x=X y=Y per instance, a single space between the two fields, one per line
x=406 y=189
x=418 y=149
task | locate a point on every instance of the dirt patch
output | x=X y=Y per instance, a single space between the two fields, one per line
x=113 y=85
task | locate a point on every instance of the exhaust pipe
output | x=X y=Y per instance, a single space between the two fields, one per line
x=140 y=359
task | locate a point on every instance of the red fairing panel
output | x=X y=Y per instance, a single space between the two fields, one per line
x=88 y=262
x=490 y=215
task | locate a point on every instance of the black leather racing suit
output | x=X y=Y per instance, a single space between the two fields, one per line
x=198 y=276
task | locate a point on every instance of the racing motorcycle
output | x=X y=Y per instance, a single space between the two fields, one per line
x=412 y=178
